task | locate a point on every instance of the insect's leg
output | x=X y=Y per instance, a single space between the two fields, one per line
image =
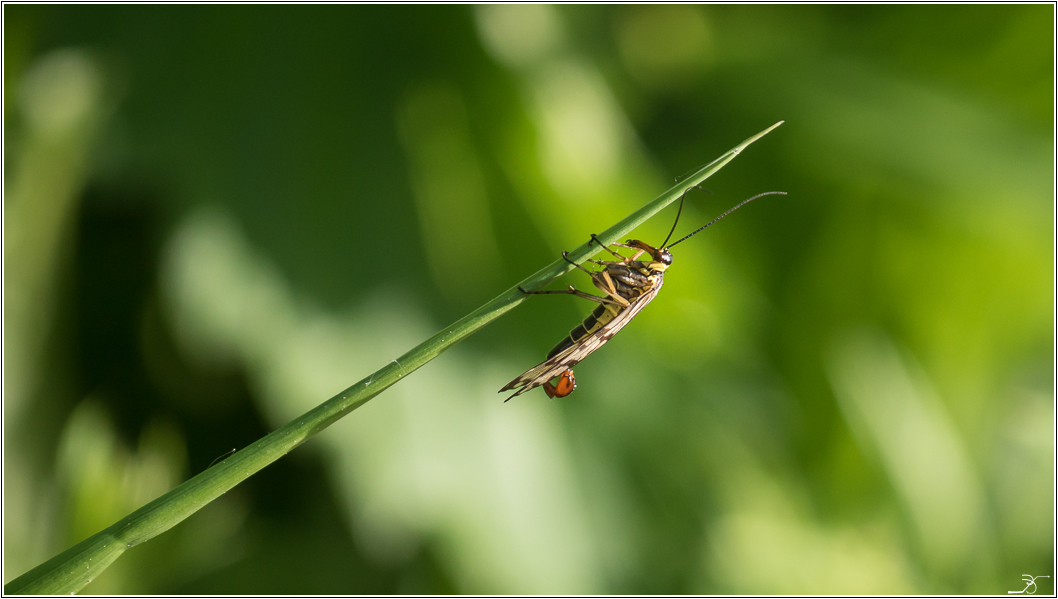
x=601 y=262
x=606 y=246
x=635 y=256
x=571 y=291
x=639 y=252
x=609 y=287
x=540 y=292
x=595 y=238
x=602 y=300
x=566 y=258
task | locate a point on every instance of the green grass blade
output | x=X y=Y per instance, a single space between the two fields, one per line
x=74 y=568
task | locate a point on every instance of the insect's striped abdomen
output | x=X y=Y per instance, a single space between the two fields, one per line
x=599 y=317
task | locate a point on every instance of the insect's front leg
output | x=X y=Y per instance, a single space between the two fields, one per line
x=624 y=260
x=634 y=256
x=595 y=238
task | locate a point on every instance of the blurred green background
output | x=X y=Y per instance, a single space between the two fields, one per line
x=217 y=217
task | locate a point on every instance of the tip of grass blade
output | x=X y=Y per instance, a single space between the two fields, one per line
x=742 y=146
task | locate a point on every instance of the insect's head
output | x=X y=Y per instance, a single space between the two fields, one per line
x=665 y=257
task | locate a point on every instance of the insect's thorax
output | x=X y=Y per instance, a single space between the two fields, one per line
x=631 y=279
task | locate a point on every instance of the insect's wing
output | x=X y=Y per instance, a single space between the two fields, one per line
x=540 y=372
x=557 y=364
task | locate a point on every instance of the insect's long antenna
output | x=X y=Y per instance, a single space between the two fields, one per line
x=680 y=211
x=740 y=204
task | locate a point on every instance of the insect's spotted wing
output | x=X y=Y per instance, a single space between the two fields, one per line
x=557 y=364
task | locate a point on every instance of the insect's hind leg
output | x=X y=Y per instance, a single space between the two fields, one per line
x=571 y=291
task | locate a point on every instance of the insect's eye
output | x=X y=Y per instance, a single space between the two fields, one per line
x=666 y=257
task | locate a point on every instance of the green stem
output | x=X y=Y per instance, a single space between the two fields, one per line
x=74 y=568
